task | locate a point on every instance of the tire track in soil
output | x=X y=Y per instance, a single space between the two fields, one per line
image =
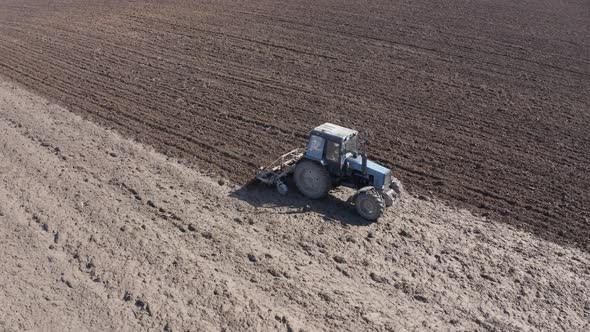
x=469 y=109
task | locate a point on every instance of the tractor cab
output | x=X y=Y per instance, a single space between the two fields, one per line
x=337 y=149
x=331 y=145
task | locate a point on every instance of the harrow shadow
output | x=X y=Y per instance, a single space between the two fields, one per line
x=331 y=208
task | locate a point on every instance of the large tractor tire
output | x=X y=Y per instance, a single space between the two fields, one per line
x=312 y=179
x=369 y=204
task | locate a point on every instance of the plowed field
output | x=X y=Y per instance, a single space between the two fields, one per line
x=482 y=103
x=100 y=233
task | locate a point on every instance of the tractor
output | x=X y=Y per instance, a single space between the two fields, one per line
x=332 y=159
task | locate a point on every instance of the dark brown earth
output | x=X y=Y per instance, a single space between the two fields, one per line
x=482 y=103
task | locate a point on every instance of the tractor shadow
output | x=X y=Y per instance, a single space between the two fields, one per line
x=332 y=208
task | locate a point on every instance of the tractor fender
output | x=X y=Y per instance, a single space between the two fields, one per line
x=321 y=162
x=360 y=191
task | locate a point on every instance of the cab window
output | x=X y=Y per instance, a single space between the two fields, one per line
x=333 y=151
x=315 y=147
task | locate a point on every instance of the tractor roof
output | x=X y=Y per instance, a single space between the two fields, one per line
x=334 y=132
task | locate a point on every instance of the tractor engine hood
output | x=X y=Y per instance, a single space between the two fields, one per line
x=381 y=175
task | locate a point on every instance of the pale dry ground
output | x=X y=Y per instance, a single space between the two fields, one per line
x=101 y=233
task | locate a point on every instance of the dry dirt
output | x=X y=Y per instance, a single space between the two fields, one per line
x=483 y=103
x=98 y=232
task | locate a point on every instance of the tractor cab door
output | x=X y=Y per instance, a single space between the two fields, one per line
x=332 y=156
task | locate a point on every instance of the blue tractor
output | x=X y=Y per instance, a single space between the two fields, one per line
x=332 y=158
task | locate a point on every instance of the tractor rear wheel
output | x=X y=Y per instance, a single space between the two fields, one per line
x=312 y=179
x=369 y=204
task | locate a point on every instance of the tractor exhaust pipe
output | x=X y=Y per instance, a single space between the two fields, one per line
x=364 y=157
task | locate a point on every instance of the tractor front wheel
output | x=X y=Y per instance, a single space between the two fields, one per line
x=369 y=204
x=312 y=179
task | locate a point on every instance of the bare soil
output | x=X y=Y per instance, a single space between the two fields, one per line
x=481 y=103
x=98 y=232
